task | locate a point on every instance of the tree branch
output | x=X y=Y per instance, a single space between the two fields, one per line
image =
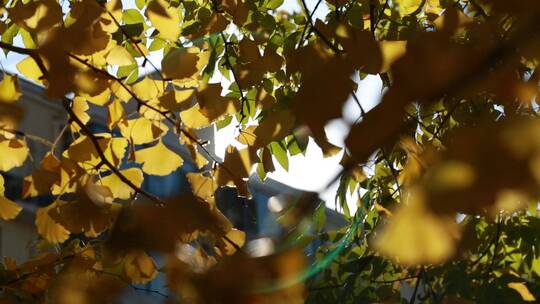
x=333 y=47
x=28 y=136
x=235 y=77
x=101 y=154
x=30 y=52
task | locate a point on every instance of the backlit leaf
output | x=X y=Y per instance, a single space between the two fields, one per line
x=158 y=159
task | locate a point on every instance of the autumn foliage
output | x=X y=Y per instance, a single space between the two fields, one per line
x=445 y=169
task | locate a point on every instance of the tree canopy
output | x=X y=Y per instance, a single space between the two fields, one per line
x=446 y=167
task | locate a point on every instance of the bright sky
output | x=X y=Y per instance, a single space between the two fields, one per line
x=310 y=172
x=313 y=171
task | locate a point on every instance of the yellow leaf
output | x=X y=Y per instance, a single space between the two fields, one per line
x=184 y=63
x=9 y=89
x=202 y=186
x=36 y=15
x=237 y=166
x=120 y=91
x=49 y=228
x=82 y=150
x=177 y=100
x=89 y=214
x=194 y=119
x=13 y=153
x=99 y=99
x=118 y=55
x=407 y=7
x=391 y=51
x=118 y=188
x=164 y=18
x=523 y=291
x=433 y=7
x=8 y=209
x=247 y=136
x=236 y=236
x=115 y=113
x=158 y=160
x=79 y=107
x=415 y=235
x=141 y=130
x=212 y=104
x=139 y=268
x=29 y=69
x=148 y=88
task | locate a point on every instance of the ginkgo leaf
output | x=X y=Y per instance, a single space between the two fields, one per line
x=141 y=130
x=148 y=88
x=30 y=69
x=235 y=236
x=139 y=268
x=115 y=113
x=36 y=15
x=9 y=89
x=194 y=119
x=48 y=228
x=13 y=153
x=407 y=7
x=83 y=151
x=79 y=106
x=153 y=227
x=84 y=215
x=523 y=291
x=8 y=209
x=183 y=63
x=176 y=100
x=118 y=55
x=164 y=18
x=212 y=104
x=202 y=186
x=158 y=159
x=415 y=235
x=118 y=188
x=236 y=167
x=391 y=51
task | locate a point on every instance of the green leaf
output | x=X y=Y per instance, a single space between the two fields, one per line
x=132 y=16
x=133 y=30
x=357 y=265
x=9 y=34
x=260 y=172
x=292 y=146
x=279 y=151
x=273 y=4
x=27 y=39
x=129 y=72
x=140 y=4
x=320 y=216
x=224 y=122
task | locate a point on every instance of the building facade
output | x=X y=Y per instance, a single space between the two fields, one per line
x=46 y=119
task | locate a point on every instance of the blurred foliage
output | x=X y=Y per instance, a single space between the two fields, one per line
x=445 y=169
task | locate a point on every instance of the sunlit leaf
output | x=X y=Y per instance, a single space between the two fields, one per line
x=158 y=159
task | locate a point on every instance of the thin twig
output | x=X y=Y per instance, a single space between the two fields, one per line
x=133 y=42
x=412 y=300
x=66 y=103
x=301 y=40
x=28 y=136
x=30 y=52
x=243 y=101
x=497 y=241
x=333 y=47
x=123 y=279
x=394 y=280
